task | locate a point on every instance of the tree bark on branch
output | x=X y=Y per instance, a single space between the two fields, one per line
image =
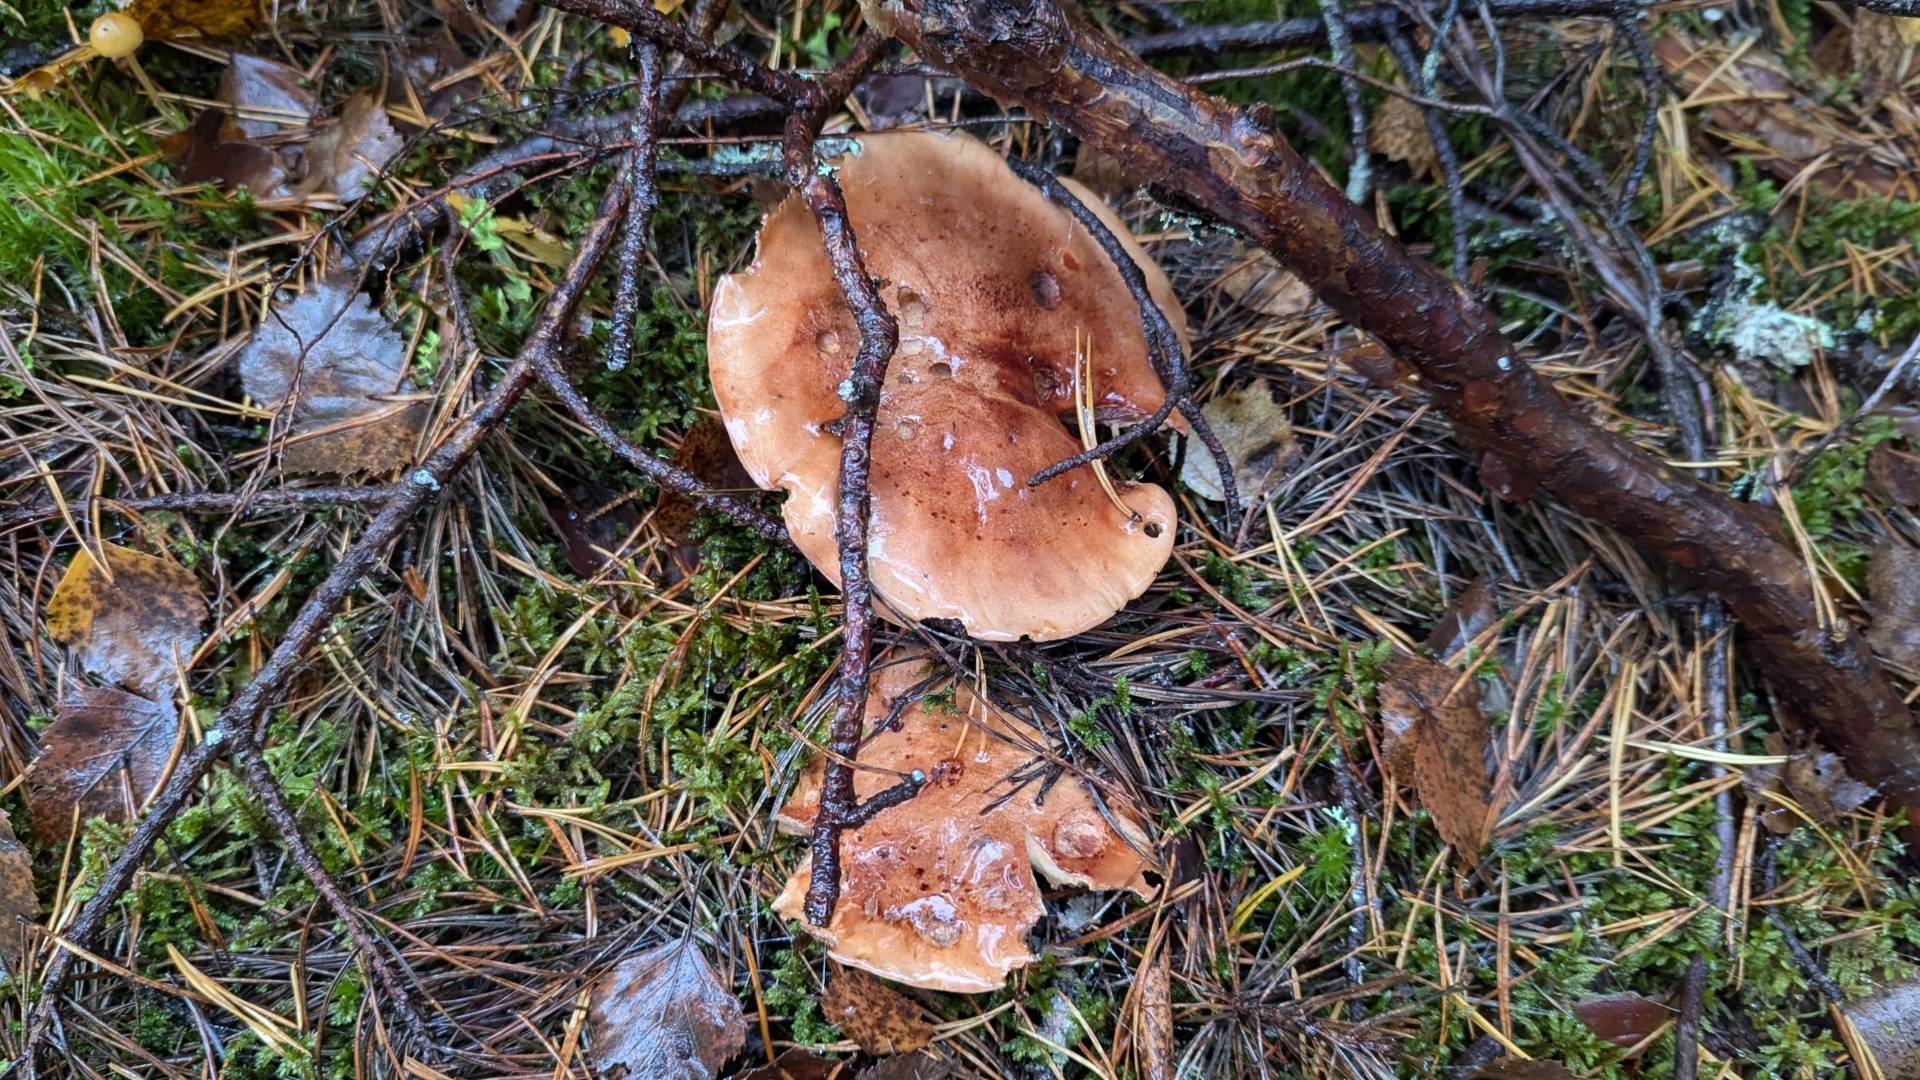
x=1231 y=162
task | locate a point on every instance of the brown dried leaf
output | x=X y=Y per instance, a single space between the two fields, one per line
x=1258 y=437
x=878 y=1017
x=796 y=1064
x=1512 y=1068
x=1622 y=1019
x=662 y=1014
x=707 y=453
x=342 y=365
x=137 y=629
x=106 y=751
x=189 y=18
x=592 y=521
x=1399 y=133
x=1466 y=618
x=264 y=95
x=1259 y=282
x=214 y=150
x=1882 y=53
x=1449 y=739
x=19 y=904
x=419 y=92
x=1896 y=472
x=921 y=1066
x=1893 y=583
x=1818 y=781
x=1889 y=1025
x=347 y=155
x=471 y=18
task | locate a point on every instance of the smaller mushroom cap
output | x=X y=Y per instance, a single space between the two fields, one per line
x=995 y=289
x=939 y=891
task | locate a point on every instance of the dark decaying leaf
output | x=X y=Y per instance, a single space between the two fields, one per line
x=1895 y=470
x=1893 y=583
x=662 y=1014
x=1818 y=781
x=1437 y=710
x=105 y=753
x=1257 y=436
x=1889 y=1025
x=593 y=521
x=878 y=1017
x=920 y=1066
x=342 y=365
x=419 y=91
x=797 y=1064
x=470 y=17
x=19 y=906
x=137 y=627
x=1512 y=1068
x=1622 y=1019
x=706 y=452
x=265 y=96
x=213 y=150
x=1466 y=618
x=346 y=156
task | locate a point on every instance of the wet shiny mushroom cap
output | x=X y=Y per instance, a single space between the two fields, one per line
x=939 y=892
x=994 y=288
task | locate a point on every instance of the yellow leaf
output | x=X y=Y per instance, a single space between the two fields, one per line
x=190 y=18
x=134 y=624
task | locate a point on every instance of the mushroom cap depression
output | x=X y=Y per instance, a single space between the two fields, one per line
x=994 y=288
x=939 y=891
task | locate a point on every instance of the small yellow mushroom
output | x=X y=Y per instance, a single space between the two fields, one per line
x=115 y=35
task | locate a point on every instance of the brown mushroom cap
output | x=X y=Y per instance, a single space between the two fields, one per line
x=939 y=892
x=994 y=287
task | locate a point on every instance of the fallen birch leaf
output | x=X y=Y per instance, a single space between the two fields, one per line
x=346 y=156
x=707 y=453
x=1889 y=1025
x=137 y=628
x=265 y=96
x=1513 y=1068
x=160 y=19
x=593 y=522
x=342 y=366
x=105 y=753
x=797 y=1064
x=1260 y=283
x=1466 y=618
x=19 y=904
x=1893 y=584
x=214 y=150
x=1437 y=709
x=921 y=1066
x=938 y=892
x=1257 y=435
x=662 y=1014
x=1399 y=133
x=878 y=1017
x=1622 y=1019
x=1895 y=470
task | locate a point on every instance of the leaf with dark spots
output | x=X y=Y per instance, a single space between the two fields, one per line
x=707 y=453
x=1889 y=1025
x=1818 y=781
x=333 y=368
x=1513 y=1068
x=662 y=1014
x=1258 y=437
x=347 y=155
x=797 y=1064
x=105 y=753
x=264 y=96
x=1893 y=584
x=878 y=1017
x=1622 y=1019
x=136 y=623
x=1437 y=710
x=19 y=904
x=214 y=150
x=1466 y=618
